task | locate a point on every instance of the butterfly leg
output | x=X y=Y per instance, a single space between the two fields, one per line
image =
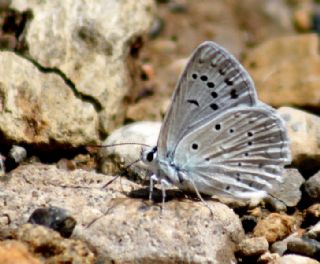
x=164 y=183
x=153 y=178
x=200 y=197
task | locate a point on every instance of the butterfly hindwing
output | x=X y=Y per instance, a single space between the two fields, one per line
x=212 y=82
x=236 y=154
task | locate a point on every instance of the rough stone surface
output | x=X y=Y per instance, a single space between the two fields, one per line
x=112 y=158
x=39 y=107
x=286 y=70
x=138 y=231
x=89 y=41
x=49 y=245
x=254 y=246
x=124 y=229
x=288 y=191
x=303 y=129
x=32 y=186
x=274 y=227
x=12 y=251
x=312 y=187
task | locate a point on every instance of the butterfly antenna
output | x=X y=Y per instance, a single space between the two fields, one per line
x=116 y=177
x=118 y=144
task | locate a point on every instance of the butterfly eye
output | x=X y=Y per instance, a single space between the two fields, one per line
x=150 y=156
x=217 y=127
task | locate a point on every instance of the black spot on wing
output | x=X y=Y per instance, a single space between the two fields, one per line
x=214 y=107
x=234 y=94
x=191 y=101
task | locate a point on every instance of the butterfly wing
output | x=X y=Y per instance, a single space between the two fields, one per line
x=212 y=82
x=237 y=154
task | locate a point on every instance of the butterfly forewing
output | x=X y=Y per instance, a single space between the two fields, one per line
x=212 y=82
x=238 y=153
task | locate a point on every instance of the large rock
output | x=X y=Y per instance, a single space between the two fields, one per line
x=140 y=233
x=123 y=229
x=39 y=108
x=303 y=130
x=89 y=41
x=286 y=70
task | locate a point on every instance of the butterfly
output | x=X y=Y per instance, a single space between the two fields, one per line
x=217 y=138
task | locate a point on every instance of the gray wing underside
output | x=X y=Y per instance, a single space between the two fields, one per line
x=238 y=154
x=212 y=82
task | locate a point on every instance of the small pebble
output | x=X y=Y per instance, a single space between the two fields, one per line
x=304 y=246
x=18 y=153
x=311 y=215
x=254 y=246
x=2 y=166
x=156 y=27
x=314 y=232
x=268 y=258
x=294 y=259
x=178 y=7
x=280 y=247
x=316 y=21
x=274 y=227
x=286 y=193
x=303 y=19
x=312 y=187
x=55 y=218
x=148 y=71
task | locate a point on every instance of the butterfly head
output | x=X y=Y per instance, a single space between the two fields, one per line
x=149 y=155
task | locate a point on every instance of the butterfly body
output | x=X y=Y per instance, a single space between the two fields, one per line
x=217 y=137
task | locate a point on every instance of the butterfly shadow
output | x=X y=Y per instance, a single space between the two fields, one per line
x=171 y=194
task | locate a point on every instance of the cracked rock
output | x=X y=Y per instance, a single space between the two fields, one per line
x=89 y=41
x=39 y=108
